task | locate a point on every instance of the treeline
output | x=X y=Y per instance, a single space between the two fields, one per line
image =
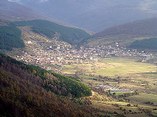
x=10 y=37
x=23 y=93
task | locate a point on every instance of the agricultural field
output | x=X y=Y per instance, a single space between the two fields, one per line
x=132 y=85
x=145 y=98
x=116 y=108
x=117 y=72
x=110 y=67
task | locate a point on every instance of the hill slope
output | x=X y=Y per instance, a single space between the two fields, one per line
x=14 y=11
x=10 y=37
x=129 y=32
x=149 y=44
x=146 y=27
x=51 y=30
x=95 y=15
x=23 y=92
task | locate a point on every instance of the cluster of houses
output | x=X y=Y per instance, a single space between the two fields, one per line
x=46 y=53
x=112 y=89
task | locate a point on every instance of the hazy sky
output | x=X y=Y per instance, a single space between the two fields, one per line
x=94 y=14
x=149 y=6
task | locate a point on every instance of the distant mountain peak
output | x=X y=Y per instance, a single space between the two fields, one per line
x=13 y=0
x=95 y=15
x=127 y=33
x=12 y=10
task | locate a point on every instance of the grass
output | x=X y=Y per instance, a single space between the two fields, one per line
x=152 y=75
x=110 y=67
x=143 y=98
x=133 y=75
x=110 y=105
x=154 y=113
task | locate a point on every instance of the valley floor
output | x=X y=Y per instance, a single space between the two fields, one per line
x=123 y=83
x=123 y=86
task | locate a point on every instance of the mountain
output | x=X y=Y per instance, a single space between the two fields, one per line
x=3 y=22
x=11 y=36
x=137 y=28
x=14 y=11
x=149 y=44
x=128 y=32
x=53 y=30
x=94 y=15
x=25 y=91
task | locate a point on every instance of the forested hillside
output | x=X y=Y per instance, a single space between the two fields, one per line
x=50 y=29
x=150 y=44
x=27 y=91
x=10 y=37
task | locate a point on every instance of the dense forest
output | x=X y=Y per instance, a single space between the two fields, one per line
x=29 y=91
x=50 y=29
x=145 y=44
x=10 y=37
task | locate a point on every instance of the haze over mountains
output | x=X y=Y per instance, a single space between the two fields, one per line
x=120 y=19
x=94 y=15
x=127 y=33
x=137 y=28
x=14 y=11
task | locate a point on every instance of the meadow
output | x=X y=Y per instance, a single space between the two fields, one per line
x=144 y=98
x=124 y=73
x=110 y=67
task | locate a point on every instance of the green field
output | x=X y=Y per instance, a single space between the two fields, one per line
x=144 y=98
x=110 y=67
x=154 y=113
x=133 y=75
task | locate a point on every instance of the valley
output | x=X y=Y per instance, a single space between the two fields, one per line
x=42 y=51
x=124 y=85
x=78 y=58
x=119 y=77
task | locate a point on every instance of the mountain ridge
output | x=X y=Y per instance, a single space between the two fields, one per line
x=127 y=33
x=15 y=11
x=11 y=35
x=138 y=25
x=94 y=15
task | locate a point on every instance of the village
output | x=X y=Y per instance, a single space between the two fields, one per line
x=121 y=81
x=55 y=52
